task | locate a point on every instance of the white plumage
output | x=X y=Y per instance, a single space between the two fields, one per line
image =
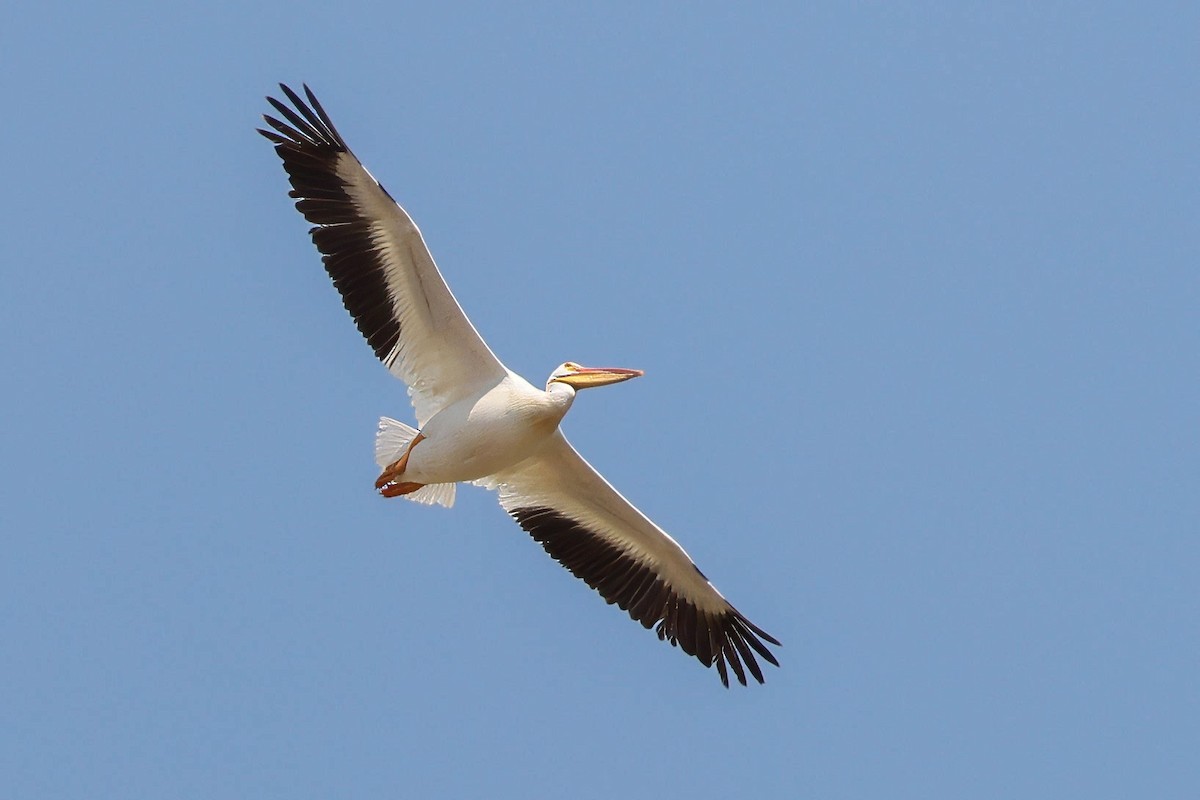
x=481 y=423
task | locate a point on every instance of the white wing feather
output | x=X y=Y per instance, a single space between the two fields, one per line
x=588 y=527
x=439 y=355
x=560 y=479
x=378 y=260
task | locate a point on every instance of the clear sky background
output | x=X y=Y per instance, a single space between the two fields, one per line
x=916 y=291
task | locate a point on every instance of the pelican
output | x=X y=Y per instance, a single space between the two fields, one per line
x=477 y=421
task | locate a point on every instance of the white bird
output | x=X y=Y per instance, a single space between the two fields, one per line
x=480 y=422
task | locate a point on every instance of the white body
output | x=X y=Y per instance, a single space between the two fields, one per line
x=480 y=436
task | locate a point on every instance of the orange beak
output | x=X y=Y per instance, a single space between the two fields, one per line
x=587 y=377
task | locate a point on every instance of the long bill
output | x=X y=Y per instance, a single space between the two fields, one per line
x=587 y=377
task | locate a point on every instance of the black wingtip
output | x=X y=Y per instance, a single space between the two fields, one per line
x=723 y=638
x=272 y=136
x=305 y=117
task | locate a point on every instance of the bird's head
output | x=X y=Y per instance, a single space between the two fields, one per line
x=579 y=377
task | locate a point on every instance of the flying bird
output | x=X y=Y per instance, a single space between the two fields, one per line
x=479 y=422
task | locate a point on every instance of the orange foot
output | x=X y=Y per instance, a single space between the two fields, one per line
x=397 y=489
x=386 y=482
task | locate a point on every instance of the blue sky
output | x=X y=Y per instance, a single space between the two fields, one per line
x=915 y=289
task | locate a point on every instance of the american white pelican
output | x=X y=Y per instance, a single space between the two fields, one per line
x=481 y=423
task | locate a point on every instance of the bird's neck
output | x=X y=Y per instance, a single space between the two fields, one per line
x=560 y=397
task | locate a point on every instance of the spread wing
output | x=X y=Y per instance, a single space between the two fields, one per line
x=588 y=527
x=379 y=263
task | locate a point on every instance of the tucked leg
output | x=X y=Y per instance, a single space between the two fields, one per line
x=386 y=483
x=397 y=489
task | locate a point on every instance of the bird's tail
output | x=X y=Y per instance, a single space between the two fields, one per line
x=391 y=442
